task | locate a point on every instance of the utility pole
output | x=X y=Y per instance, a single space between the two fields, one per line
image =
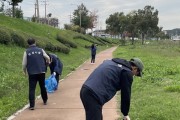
x=37 y=3
x=35 y=10
x=45 y=3
x=36 y=15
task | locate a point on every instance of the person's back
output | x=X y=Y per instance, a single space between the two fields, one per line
x=35 y=60
x=35 y=65
x=93 y=50
x=93 y=53
x=106 y=79
x=56 y=66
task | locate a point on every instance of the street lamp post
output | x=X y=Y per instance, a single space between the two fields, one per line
x=49 y=15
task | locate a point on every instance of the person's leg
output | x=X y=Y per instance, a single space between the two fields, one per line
x=41 y=78
x=93 y=108
x=32 y=88
x=57 y=78
x=93 y=58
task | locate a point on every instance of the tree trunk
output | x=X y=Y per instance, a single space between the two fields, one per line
x=13 y=8
x=142 y=38
x=132 y=38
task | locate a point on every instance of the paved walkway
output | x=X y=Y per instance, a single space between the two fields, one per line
x=65 y=103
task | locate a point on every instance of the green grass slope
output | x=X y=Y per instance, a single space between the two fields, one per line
x=53 y=39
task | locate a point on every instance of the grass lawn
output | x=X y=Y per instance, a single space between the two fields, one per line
x=155 y=96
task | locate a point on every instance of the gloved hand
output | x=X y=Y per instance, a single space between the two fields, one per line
x=126 y=118
x=54 y=73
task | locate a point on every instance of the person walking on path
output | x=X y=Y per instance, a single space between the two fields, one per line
x=35 y=65
x=55 y=66
x=93 y=53
x=103 y=83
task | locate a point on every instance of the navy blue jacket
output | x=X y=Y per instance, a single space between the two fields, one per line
x=56 y=65
x=35 y=60
x=110 y=77
x=93 y=50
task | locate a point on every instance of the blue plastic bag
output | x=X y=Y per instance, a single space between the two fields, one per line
x=51 y=84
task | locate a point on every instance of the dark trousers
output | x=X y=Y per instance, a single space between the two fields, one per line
x=93 y=108
x=93 y=58
x=33 y=79
x=57 y=78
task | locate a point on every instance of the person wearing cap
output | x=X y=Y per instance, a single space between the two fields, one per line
x=103 y=83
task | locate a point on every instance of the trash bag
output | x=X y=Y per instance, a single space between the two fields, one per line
x=51 y=84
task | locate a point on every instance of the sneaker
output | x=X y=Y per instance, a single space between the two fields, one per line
x=31 y=108
x=45 y=103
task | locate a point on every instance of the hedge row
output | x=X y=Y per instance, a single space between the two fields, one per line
x=66 y=41
x=103 y=40
x=8 y=36
x=87 y=39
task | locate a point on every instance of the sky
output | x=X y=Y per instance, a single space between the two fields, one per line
x=169 y=10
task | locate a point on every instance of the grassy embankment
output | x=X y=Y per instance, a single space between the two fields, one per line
x=71 y=47
x=155 y=96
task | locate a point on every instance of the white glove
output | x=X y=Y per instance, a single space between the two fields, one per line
x=126 y=118
x=54 y=73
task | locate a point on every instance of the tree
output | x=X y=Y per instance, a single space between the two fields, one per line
x=18 y=12
x=81 y=17
x=14 y=3
x=116 y=24
x=93 y=19
x=132 y=24
x=2 y=6
x=147 y=19
x=8 y=12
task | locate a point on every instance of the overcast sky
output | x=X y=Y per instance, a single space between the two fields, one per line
x=169 y=10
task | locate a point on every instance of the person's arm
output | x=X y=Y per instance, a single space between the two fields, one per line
x=58 y=66
x=24 y=62
x=46 y=56
x=126 y=82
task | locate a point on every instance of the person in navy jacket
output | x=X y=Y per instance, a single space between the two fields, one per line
x=34 y=63
x=93 y=53
x=103 y=83
x=56 y=66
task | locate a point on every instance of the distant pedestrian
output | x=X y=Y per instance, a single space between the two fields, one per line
x=56 y=66
x=103 y=83
x=93 y=53
x=34 y=63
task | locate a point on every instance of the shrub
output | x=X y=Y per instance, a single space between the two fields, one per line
x=58 y=48
x=85 y=38
x=50 y=47
x=5 y=37
x=62 y=49
x=18 y=39
x=66 y=41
